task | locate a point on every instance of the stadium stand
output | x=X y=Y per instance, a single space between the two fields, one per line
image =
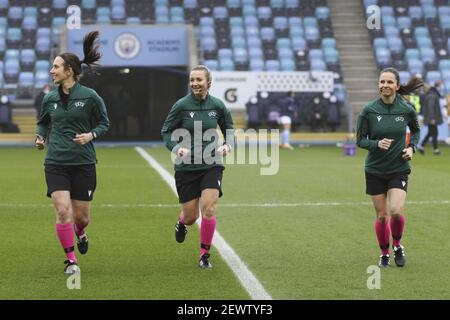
x=415 y=38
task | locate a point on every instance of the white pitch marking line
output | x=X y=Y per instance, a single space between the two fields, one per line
x=224 y=205
x=245 y=276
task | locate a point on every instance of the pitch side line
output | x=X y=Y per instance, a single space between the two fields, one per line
x=225 y=205
x=245 y=276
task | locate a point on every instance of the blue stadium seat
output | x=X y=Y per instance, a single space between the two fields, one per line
x=13 y=37
x=249 y=10
x=207 y=31
x=267 y=34
x=30 y=12
x=392 y=31
x=427 y=55
x=299 y=43
x=415 y=12
x=272 y=65
x=240 y=55
x=264 y=12
x=421 y=32
x=404 y=76
x=296 y=32
x=225 y=53
x=310 y=22
x=328 y=43
x=25 y=85
x=41 y=78
x=121 y=3
x=315 y=54
x=237 y=32
x=118 y=14
x=415 y=66
x=27 y=59
x=412 y=54
x=11 y=72
x=43 y=33
x=256 y=65
x=429 y=11
x=212 y=64
x=251 y=21
x=388 y=21
x=255 y=53
x=42 y=48
x=444 y=65
x=42 y=65
x=318 y=65
x=433 y=76
x=137 y=20
x=312 y=34
x=161 y=3
x=254 y=42
x=248 y=2
x=12 y=54
x=236 y=22
x=387 y=11
x=322 y=13
x=287 y=65
x=88 y=4
x=209 y=43
x=383 y=56
x=331 y=55
x=404 y=22
x=29 y=25
x=283 y=43
x=295 y=22
x=226 y=65
x=220 y=12
x=15 y=15
x=206 y=21
x=238 y=42
x=252 y=32
x=2 y=47
x=191 y=4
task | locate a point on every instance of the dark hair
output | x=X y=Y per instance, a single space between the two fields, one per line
x=413 y=84
x=91 y=56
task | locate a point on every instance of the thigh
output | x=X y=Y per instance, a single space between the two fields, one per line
x=380 y=203
x=397 y=199
x=81 y=208
x=84 y=182
x=61 y=201
x=376 y=185
x=191 y=210
x=212 y=180
x=188 y=186
x=57 y=179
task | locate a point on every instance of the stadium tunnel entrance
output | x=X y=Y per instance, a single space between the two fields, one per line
x=138 y=99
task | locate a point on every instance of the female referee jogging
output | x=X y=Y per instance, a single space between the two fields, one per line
x=65 y=123
x=198 y=180
x=381 y=129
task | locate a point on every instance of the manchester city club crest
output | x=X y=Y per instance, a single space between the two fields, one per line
x=127 y=46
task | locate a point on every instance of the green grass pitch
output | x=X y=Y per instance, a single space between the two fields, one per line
x=305 y=233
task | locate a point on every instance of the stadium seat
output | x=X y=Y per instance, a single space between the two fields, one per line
x=27 y=59
x=11 y=71
x=13 y=37
x=41 y=78
x=25 y=85
x=42 y=48
x=256 y=65
x=213 y=65
x=272 y=65
x=226 y=65
x=15 y=15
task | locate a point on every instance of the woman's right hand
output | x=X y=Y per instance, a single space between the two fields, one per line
x=385 y=144
x=183 y=152
x=39 y=142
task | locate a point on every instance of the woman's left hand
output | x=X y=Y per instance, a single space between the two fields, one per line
x=83 y=138
x=224 y=150
x=408 y=154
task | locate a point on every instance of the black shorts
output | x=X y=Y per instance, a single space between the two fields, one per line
x=190 y=184
x=381 y=183
x=80 y=181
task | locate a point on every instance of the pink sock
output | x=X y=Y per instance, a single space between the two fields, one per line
x=397 y=226
x=383 y=236
x=207 y=229
x=181 y=217
x=79 y=228
x=65 y=235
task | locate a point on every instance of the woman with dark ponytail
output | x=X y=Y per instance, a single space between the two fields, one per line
x=71 y=117
x=381 y=129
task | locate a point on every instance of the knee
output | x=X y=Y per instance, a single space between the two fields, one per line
x=209 y=210
x=190 y=216
x=382 y=216
x=396 y=215
x=64 y=213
